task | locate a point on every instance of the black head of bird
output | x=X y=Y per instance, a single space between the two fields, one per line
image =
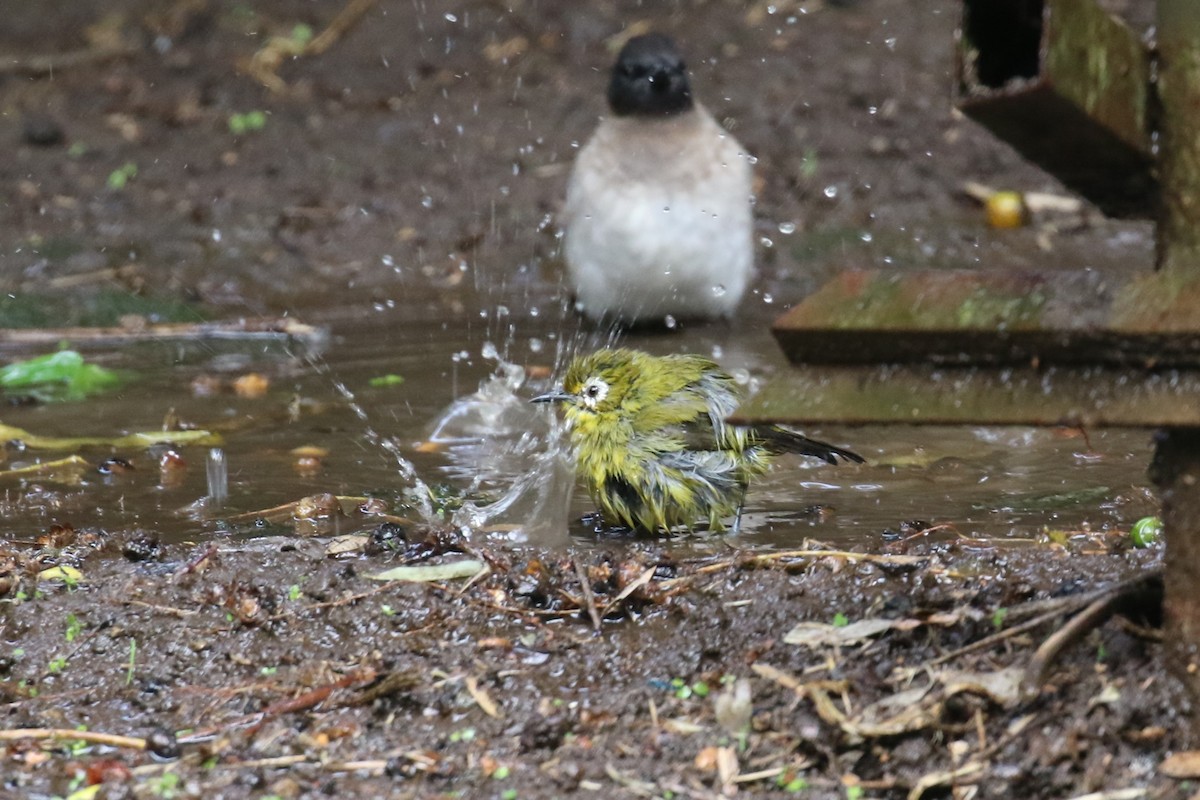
x=649 y=79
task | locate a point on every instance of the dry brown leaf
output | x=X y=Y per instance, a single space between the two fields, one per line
x=1185 y=765
x=480 y=696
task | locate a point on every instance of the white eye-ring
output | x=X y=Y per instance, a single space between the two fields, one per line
x=593 y=392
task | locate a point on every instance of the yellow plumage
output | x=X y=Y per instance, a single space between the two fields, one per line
x=652 y=445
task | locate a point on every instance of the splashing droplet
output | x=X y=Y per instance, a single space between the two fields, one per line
x=217 y=473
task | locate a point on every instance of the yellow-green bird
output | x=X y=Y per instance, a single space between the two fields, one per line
x=652 y=444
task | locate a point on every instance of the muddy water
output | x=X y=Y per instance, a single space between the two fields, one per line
x=488 y=445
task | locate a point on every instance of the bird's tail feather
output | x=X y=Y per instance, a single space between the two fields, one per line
x=782 y=440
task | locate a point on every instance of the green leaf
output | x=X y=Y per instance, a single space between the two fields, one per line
x=381 y=381
x=64 y=371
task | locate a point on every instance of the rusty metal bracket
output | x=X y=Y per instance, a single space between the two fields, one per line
x=1069 y=86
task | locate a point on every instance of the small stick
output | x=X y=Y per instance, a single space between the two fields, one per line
x=588 y=598
x=95 y=737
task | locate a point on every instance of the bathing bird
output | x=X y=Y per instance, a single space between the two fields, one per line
x=652 y=445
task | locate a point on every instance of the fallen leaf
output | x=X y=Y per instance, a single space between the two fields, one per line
x=820 y=634
x=1181 y=765
x=466 y=568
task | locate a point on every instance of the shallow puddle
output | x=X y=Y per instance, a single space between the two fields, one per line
x=460 y=417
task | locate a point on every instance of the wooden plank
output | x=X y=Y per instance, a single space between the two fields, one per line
x=926 y=395
x=997 y=317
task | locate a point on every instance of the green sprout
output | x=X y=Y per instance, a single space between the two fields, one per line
x=840 y=620
x=122 y=175
x=248 y=122
x=165 y=786
x=998 y=617
x=464 y=735
x=74 y=626
x=382 y=381
x=790 y=782
x=302 y=34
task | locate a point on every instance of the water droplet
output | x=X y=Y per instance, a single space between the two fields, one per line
x=450 y=17
x=766 y=242
x=426 y=202
x=666 y=209
x=768 y=298
x=670 y=322
x=891 y=43
x=866 y=236
x=719 y=290
x=717 y=352
x=216 y=234
x=787 y=228
x=536 y=345
x=830 y=192
x=388 y=261
x=489 y=352
x=752 y=160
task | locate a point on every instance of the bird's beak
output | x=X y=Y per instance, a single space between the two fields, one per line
x=556 y=396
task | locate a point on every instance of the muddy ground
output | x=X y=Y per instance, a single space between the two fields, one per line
x=428 y=143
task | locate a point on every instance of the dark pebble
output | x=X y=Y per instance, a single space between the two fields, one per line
x=42 y=130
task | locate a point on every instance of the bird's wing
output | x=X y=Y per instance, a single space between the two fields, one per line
x=693 y=416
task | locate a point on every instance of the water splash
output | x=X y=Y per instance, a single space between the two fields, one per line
x=513 y=453
x=217 y=474
x=421 y=495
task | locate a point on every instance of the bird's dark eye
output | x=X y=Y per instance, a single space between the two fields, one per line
x=593 y=390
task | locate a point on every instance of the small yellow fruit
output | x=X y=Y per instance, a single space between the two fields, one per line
x=1007 y=210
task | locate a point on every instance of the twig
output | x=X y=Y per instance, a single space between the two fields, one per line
x=1092 y=616
x=95 y=737
x=281 y=329
x=633 y=586
x=38 y=66
x=589 y=599
x=176 y=612
x=1114 y=794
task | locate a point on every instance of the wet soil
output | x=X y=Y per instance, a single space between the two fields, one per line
x=284 y=672
x=411 y=172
